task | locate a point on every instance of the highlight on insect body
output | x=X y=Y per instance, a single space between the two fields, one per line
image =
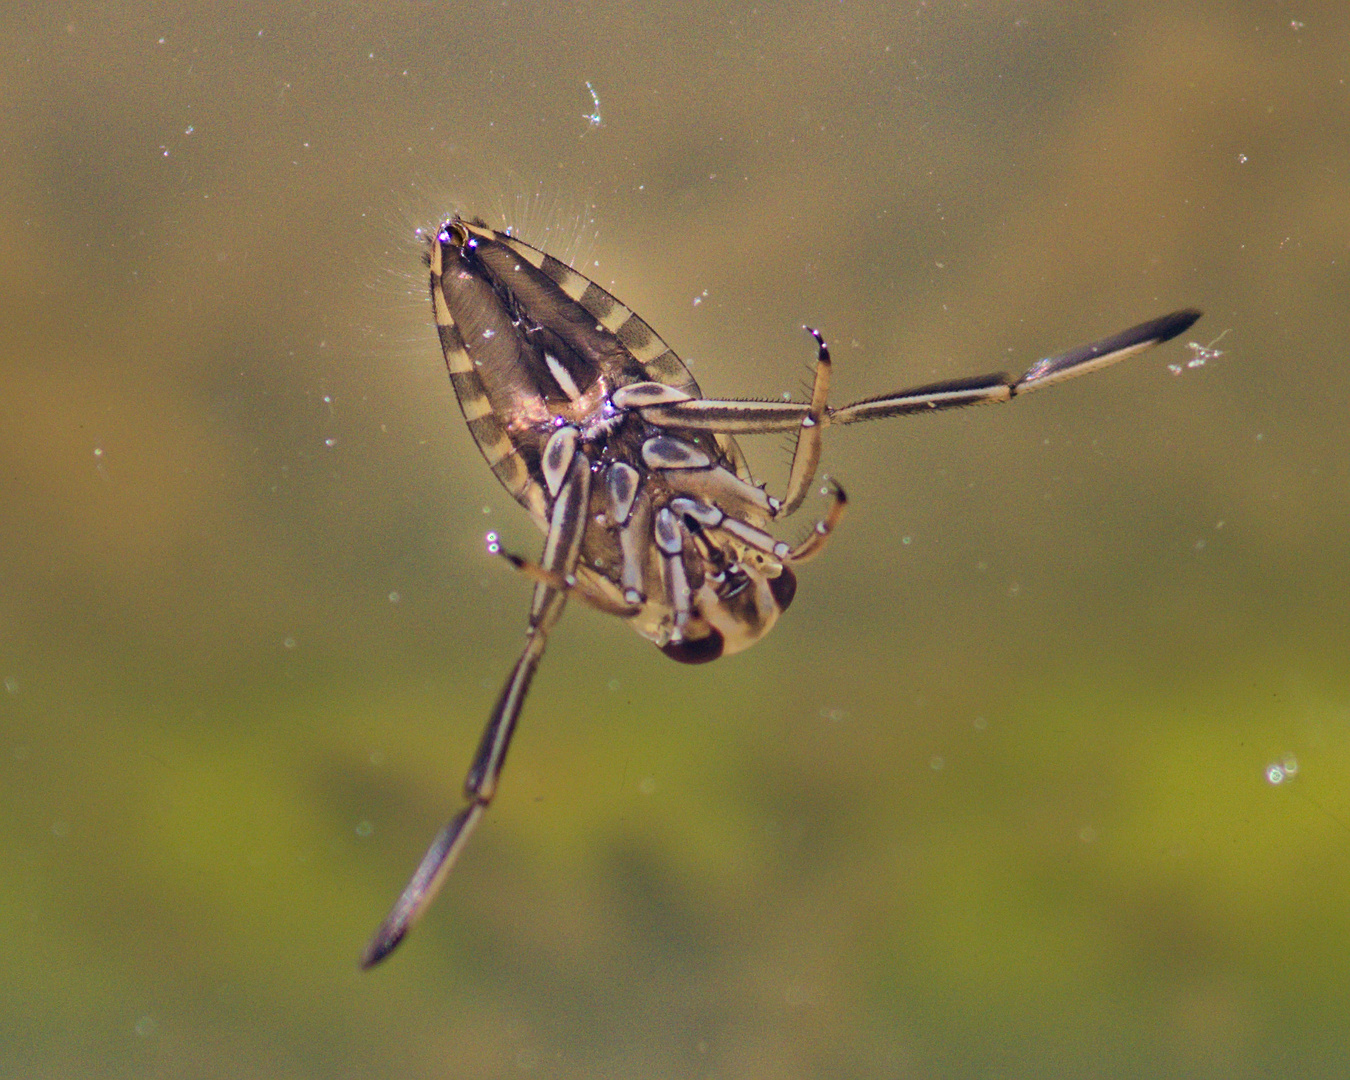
x=598 y=429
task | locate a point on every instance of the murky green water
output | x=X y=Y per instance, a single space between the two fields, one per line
x=994 y=800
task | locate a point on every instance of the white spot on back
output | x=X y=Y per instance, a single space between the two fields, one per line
x=562 y=376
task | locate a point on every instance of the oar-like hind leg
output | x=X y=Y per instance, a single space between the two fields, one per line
x=566 y=529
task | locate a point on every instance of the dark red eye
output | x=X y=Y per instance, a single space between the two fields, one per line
x=784 y=588
x=695 y=652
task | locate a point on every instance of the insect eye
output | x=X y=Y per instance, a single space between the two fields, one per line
x=454 y=233
x=698 y=650
x=784 y=588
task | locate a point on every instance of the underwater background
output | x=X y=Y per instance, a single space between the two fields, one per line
x=1046 y=772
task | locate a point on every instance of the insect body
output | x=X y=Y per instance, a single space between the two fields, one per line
x=600 y=432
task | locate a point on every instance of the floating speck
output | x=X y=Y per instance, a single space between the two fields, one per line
x=593 y=117
x=1285 y=769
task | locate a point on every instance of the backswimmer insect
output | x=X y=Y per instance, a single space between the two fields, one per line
x=600 y=432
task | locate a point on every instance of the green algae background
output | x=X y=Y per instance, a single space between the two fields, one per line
x=1047 y=771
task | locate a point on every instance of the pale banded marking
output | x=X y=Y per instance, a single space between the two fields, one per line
x=533 y=256
x=622 y=481
x=557 y=459
x=436 y=259
x=668 y=368
x=598 y=303
x=567 y=279
x=641 y=394
x=468 y=386
x=456 y=355
x=476 y=407
x=667 y=532
x=562 y=377
x=638 y=338
x=440 y=309
x=513 y=474
x=495 y=450
x=663 y=452
x=510 y=467
x=615 y=318
x=515 y=477
x=653 y=348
